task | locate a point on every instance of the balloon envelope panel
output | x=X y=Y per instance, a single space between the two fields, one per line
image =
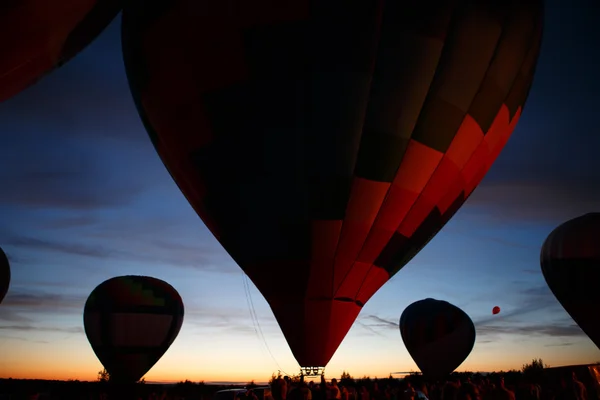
x=324 y=143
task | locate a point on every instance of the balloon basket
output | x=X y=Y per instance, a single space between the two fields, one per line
x=312 y=371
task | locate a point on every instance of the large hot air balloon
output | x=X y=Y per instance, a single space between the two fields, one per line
x=37 y=36
x=496 y=310
x=438 y=335
x=570 y=260
x=4 y=274
x=324 y=143
x=131 y=321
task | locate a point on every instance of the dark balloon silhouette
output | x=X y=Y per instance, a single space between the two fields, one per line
x=37 y=36
x=496 y=310
x=130 y=322
x=324 y=143
x=438 y=335
x=570 y=261
x=4 y=274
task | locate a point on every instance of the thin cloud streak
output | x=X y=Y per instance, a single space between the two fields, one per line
x=38 y=328
x=160 y=252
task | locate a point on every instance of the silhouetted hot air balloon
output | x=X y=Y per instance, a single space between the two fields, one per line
x=324 y=143
x=4 y=274
x=570 y=261
x=496 y=310
x=438 y=335
x=131 y=321
x=37 y=36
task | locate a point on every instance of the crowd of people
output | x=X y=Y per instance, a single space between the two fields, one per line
x=494 y=387
x=415 y=388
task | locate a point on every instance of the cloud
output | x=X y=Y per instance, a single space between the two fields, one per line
x=46 y=175
x=74 y=140
x=530 y=300
x=38 y=328
x=89 y=96
x=158 y=252
x=368 y=329
x=18 y=308
x=18 y=305
x=541 y=329
x=542 y=176
x=563 y=344
x=381 y=322
x=554 y=201
x=59 y=247
x=513 y=322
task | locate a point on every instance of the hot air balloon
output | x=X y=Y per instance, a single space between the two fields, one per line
x=496 y=310
x=4 y=274
x=438 y=335
x=131 y=321
x=37 y=36
x=324 y=143
x=570 y=261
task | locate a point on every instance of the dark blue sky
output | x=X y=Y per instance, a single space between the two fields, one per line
x=85 y=198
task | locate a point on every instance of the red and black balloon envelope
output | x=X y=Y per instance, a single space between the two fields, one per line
x=570 y=261
x=37 y=36
x=324 y=143
x=438 y=335
x=130 y=322
x=4 y=274
x=496 y=310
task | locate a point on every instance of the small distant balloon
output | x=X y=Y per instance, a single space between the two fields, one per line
x=4 y=274
x=131 y=321
x=496 y=310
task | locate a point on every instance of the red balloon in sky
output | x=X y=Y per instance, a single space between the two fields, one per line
x=496 y=310
x=324 y=143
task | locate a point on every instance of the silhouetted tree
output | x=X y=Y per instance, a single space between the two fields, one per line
x=103 y=375
x=346 y=379
x=275 y=377
x=534 y=371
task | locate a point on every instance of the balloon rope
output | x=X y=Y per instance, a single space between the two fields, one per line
x=255 y=322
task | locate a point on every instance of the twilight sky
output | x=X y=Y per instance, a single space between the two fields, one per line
x=85 y=197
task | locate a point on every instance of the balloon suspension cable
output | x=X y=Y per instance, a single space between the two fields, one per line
x=256 y=324
x=312 y=371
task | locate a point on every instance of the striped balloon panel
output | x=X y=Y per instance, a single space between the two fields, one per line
x=328 y=141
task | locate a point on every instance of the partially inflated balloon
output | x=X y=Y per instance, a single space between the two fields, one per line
x=438 y=335
x=37 y=36
x=570 y=261
x=496 y=310
x=131 y=321
x=4 y=274
x=324 y=143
